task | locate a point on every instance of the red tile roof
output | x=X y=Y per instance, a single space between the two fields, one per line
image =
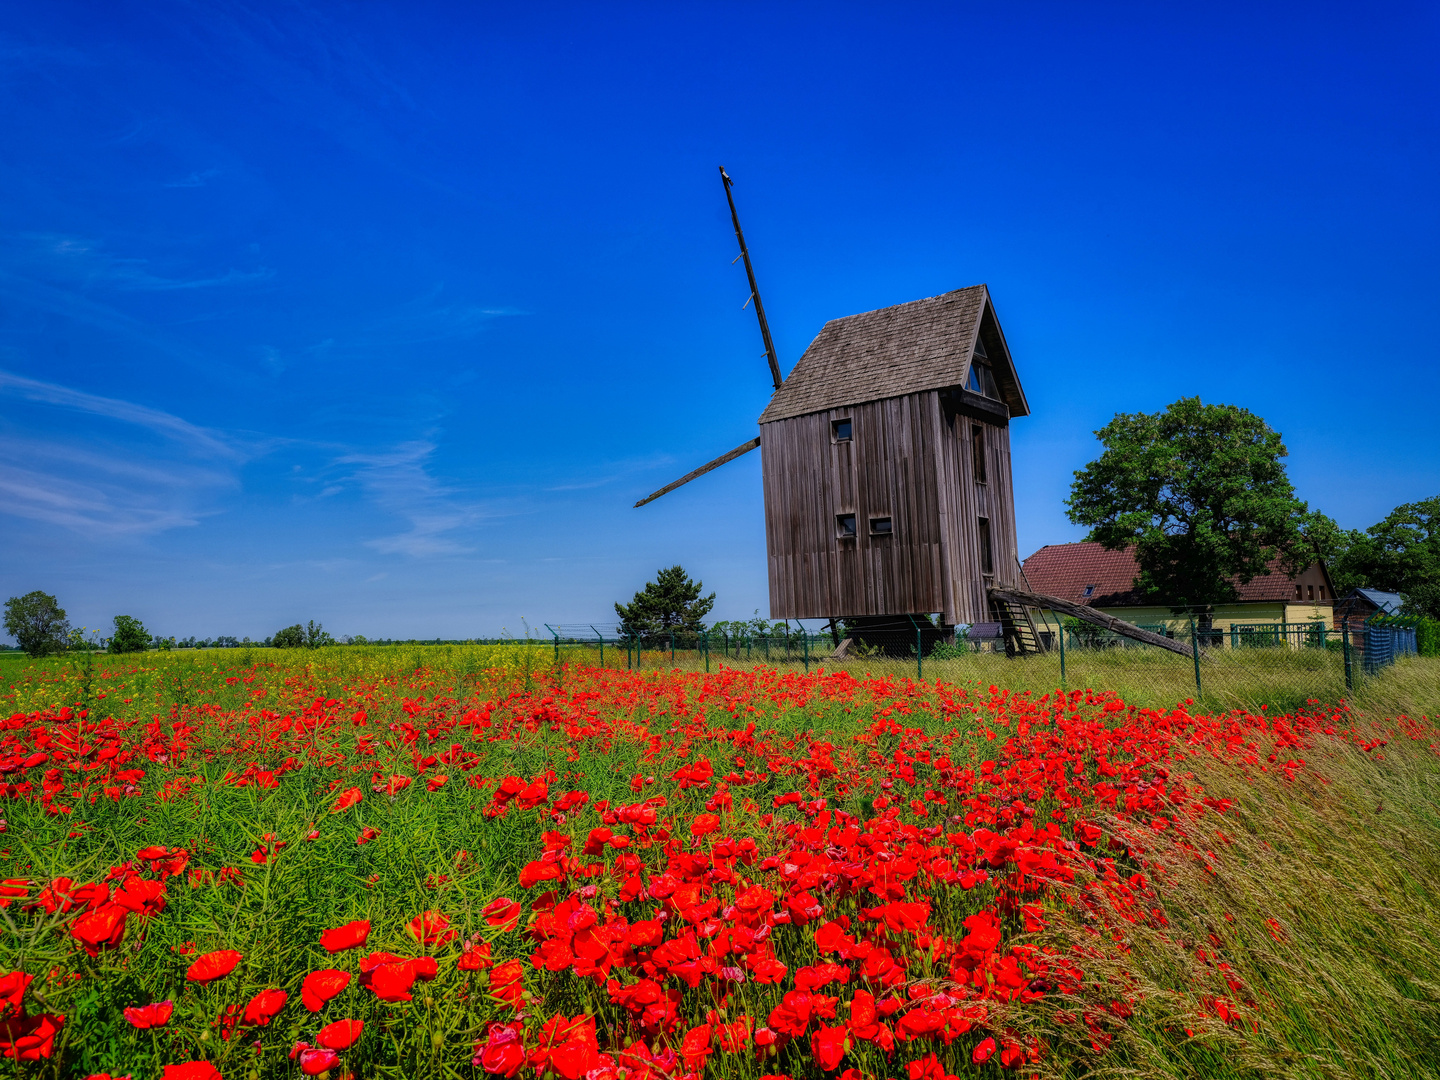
x=1067 y=570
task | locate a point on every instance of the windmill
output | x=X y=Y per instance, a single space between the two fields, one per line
x=886 y=470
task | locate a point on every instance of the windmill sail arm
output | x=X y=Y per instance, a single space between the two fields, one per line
x=743 y=448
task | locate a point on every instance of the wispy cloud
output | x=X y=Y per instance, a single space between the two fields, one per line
x=162 y=423
x=399 y=482
x=77 y=261
x=121 y=489
x=102 y=494
x=194 y=180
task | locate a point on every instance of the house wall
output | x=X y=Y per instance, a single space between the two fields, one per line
x=910 y=459
x=1225 y=615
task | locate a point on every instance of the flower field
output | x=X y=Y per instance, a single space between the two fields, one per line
x=344 y=869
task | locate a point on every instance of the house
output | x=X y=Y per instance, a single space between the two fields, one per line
x=1090 y=574
x=886 y=464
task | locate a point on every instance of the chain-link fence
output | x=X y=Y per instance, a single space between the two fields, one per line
x=1235 y=664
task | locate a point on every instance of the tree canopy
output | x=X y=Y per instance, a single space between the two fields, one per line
x=1201 y=494
x=1399 y=554
x=38 y=623
x=130 y=635
x=671 y=602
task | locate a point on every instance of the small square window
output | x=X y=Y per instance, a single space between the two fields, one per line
x=841 y=428
x=845 y=525
x=1089 y=591
x=881 y=527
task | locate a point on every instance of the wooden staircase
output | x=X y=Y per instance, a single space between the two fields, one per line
x=1018 y=628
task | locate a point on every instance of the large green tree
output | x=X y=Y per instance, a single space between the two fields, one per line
x=38 y=623
x=671 y=602
x=1200 y=492
x=1400 y=554
x=130 y=635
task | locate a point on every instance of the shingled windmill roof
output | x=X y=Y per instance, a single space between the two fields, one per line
x=923 y=345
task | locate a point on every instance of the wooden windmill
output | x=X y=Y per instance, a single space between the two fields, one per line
x=886 y=464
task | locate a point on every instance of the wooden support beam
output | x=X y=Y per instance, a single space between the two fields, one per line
x=743 y=448
x=1090 y=615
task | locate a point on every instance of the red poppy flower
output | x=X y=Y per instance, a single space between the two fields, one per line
x=504 y=913
x=150 y=1016
x=695 y=1047
x=537 y=871
x=314 y=1062
x=144 y=898
x=30 y=1038
x=392 y=982
x=340 y=1035
x=103 y=928
x=983 y=1052
x=12 y=993
x=431 y=928
x=348 y=798
x=264 y=1007
x=320 y=986
x=366 y=835
x=436 y=782
x=192 y=1070
x=503 y=1052
x=212 y=966
x=828 y=1045
x=350 y=936
x=704 y=824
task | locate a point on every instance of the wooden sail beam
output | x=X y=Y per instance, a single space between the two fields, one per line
x=754 y=289
x=743 y=448
x=1090 y=615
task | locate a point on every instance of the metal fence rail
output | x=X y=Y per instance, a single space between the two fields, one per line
x=1057 y=651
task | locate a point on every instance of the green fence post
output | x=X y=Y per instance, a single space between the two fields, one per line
x=705 y=648
x=601 y=636
x=805 y=645
x=672 y=648
x=919 y=649
x=1061 y=624
x=1195 y=655
x=1345 y=650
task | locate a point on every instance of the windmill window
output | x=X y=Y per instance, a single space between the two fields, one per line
x=987 y=555
x=881 y=527
x=982 y=379
x=841 y=429
x=1089 y=591
x=845 y=526
x=977 y=452
x=1311 y=590
x=1297 y=590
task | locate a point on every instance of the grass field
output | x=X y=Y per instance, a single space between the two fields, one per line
x=467 y=861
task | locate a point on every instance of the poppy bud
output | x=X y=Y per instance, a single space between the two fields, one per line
x=437 y=1040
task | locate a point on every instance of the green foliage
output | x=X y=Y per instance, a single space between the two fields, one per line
x=38 y=623
x=1201 y=493
x=316 y=637
x=671 y=602
x=292 y=637
x=1399 y=554
x=1427 y=637
x=310 y=636
x=130 y=635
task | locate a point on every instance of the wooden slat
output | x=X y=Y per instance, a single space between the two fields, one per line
x=743 y=448
x=1090 y=615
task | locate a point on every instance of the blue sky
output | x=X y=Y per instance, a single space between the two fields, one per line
x=384 y=314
